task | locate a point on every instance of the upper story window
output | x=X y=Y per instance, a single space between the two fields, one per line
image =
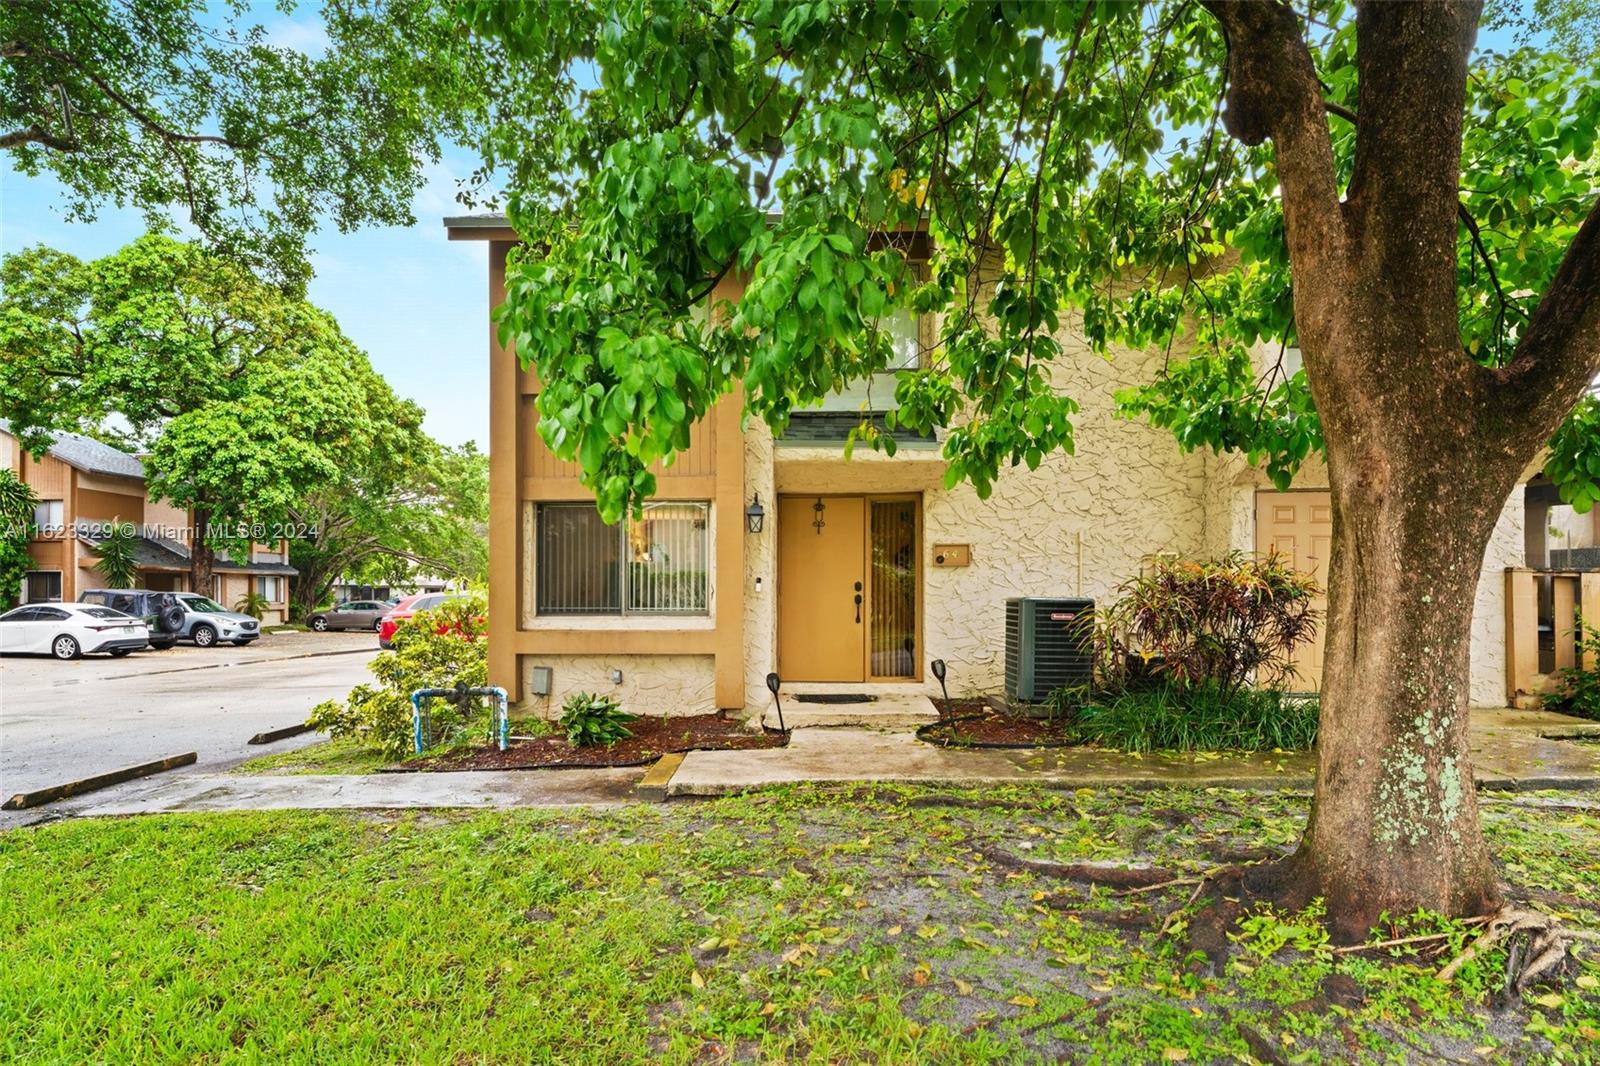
x=876 y=391
x=657 y=564
x=49 y=516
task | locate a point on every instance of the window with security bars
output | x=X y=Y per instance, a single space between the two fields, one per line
x=655 y=564
x=41 y=586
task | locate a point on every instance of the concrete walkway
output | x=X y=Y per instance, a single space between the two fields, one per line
x=1510 y=750
x=1516 y=750
x=252 y=792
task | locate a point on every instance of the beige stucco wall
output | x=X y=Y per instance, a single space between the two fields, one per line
x=652 y=685
x=1078 y=525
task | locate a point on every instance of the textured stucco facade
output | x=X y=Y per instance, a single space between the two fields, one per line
x=1079 y=525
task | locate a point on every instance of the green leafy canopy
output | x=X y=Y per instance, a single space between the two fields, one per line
x=202 y=115
x=1029 y=174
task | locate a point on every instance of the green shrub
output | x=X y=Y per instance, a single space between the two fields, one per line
x=117 y=555
x=1223 y=623
x=435 y=649
x=589 y=719
x=1577 y=690
x=253 y=604
x=1203 y=718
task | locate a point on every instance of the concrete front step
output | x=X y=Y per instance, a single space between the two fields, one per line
x=897 y=712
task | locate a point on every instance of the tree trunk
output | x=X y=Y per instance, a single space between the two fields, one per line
x=201 y=557
x=1394 y=824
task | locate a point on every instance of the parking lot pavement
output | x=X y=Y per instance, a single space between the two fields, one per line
x=60 y=721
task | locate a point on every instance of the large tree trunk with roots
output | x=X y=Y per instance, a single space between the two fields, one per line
x=1423 y=444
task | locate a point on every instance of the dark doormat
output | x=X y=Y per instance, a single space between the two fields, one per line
x=834 y=697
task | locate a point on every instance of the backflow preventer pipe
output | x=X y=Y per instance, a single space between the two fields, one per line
x=419 y=716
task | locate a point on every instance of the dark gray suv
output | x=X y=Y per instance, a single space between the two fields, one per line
x=160 y=610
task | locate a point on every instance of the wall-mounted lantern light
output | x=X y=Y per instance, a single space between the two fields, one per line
x=755 y=516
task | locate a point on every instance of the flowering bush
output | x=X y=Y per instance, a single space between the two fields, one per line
x=441 y=648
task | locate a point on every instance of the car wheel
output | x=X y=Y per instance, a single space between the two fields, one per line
x=65 y=647
x=117 y=653
x=319 y=623
x=377 y=626
x=204 y=636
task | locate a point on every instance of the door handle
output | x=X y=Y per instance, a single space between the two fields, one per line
x=858 y=608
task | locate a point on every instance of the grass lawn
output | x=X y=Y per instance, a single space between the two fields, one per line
x=887 y=925
x=344 y=755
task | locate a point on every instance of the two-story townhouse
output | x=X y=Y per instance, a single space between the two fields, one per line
x=84 y=486
x=863 y=571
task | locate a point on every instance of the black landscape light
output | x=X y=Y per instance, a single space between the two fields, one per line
x=773 y=681
x=937 y=666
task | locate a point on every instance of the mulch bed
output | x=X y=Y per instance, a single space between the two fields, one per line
x=652 y=738
x=979 y=724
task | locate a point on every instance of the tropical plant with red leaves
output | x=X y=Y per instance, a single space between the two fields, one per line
x=1222 y=622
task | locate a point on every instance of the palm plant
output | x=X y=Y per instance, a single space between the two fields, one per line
x=118 y=562
x=253 y=604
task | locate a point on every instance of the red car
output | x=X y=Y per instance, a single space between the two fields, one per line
x=402 y=611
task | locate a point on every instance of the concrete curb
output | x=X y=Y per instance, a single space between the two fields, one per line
x=23 y=800
x=654 y=786
x=267 y=736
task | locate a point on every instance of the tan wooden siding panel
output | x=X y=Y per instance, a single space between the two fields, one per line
x=541 y=468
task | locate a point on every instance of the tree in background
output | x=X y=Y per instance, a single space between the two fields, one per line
x=172 y=108
x=405 y=507
x=17 y=503
x=116 y=555
x=1247 y=176
x=246 y=399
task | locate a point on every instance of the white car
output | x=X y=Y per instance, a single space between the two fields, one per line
x=68 y=630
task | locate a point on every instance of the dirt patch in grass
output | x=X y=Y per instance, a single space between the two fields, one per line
x=979 y=724
x=651 y=739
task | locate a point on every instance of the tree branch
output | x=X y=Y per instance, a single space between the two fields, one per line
x=36 y=134
x=1403 y=197
x=1273 y=91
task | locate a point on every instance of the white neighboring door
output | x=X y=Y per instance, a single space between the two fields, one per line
x=1299 y=527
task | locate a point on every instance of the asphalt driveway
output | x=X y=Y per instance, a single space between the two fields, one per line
x=65 y=720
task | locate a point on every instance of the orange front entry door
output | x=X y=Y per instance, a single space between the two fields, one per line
x=1299 y=527
x=822 y=610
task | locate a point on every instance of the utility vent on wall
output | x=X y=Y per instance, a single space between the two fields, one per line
x=1049 y=645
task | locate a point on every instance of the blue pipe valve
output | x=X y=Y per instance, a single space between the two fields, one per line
x=502 y=723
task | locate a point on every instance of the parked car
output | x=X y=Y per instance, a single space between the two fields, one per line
x=68 y=630
x=422 y=601
x=205 y=621
x=160 y=610
x=357 y=614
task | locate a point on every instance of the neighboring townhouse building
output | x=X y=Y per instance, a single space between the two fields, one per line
x=345 y=589
x=83 y=486
x=866 y=570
